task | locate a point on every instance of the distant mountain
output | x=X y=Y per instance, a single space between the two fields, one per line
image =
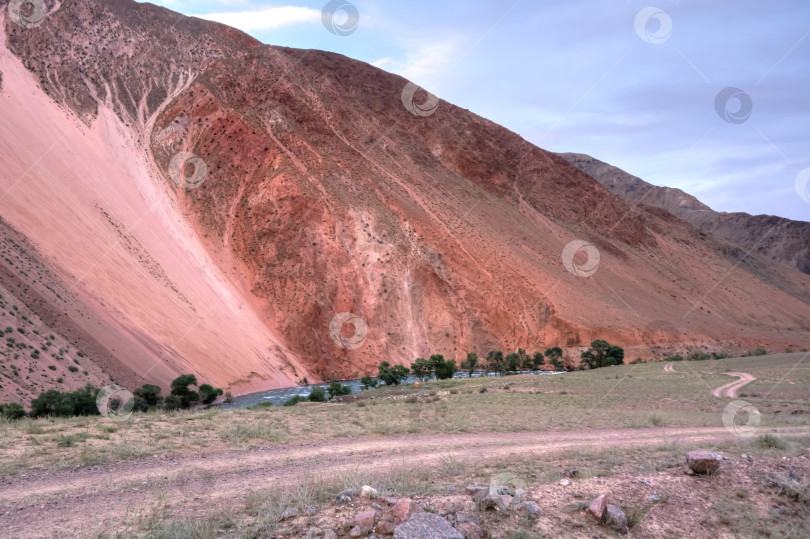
x=260 y=215
x=778 y=238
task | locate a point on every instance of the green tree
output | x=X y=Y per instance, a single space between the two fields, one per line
x=209 y=394
x=181 y=390
x=555 y=358
x=147 y=396
x=13 y=410
x=392 y=376
x=525 y=359
x=537 y=360
x=318 y=394
x=172 y=402
x=421 y=368
x=444 y=369
x=367 y=382
x=496 y=361
x=602 y=354
x=470 y=363
x=336 y=389
x=512 y=362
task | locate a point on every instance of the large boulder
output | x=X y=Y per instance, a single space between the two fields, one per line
x=426 y=526
x=362 y=524
x=703 y=462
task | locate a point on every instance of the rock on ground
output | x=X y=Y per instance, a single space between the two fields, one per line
x=597 y=507
x=703 y=462
x=615 y=519
x=426 y=526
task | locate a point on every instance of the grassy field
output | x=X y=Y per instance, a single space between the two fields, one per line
x=630 y=396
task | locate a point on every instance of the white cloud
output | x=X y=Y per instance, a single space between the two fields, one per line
x=424 y=60
x=265 y=19
x=382 y=62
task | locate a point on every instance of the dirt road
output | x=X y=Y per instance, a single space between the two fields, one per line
x=120 y=496
x=730 y=389
x=669 y=367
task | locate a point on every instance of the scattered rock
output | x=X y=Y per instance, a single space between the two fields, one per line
x=644 y=482
x=310 y=510
x=532 y=509
x=471 y=530
x=472 y=491
x=470 y=506
x=290 y=512
x=404 y=509
x=703 y=462
x=362 y=524
x=655 y=498
x=368 y=492
x=565 y=482
x=426 y=526
x=597 y=507
x=376 y=506
x=329 y=534
x=464 y=516
x=389 y=500
x=615 y=519
x=386 y=527
x=344 y=497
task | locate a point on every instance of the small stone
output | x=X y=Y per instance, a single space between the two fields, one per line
x=464 y=516
x=644 y=482
x=655 y=498
x=376 y=506
x=290 y=512
x=597 y=507
x=404 y=509
x=532 y=509
x=363 y=522
x=471 y=530
x=310 y=510
x=615 y=519
x=389 y=500
x=329 y=534
x=368 y=492
x=565 y=482
x=472 y=491
x=703 y=462
x=470 y=505
x=426 y=526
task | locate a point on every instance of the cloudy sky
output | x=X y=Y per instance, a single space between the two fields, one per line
x=629 y=84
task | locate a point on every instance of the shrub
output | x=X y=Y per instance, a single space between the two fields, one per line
x=55 y=403
x=52 y=367
x=444 y=369
x=760 y=351
x=12 y=411
x=229 y=397
x=73 y=368
x=172 y=402
x=697 y=355
x=769 y=441
x=392 y=376
x=482 y=390
x=146 y=396
x=318 y=394
x=367 y=382
x=209 y=394
x=338 y=390
x=295 y=400
x=421 y=368
x=180 y=390
x=674 y=358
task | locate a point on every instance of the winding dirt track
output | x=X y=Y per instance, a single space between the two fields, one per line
x=730 y=389
x=119 y=496
x=669 y=367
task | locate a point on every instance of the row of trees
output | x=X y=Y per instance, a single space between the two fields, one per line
x=83 y=400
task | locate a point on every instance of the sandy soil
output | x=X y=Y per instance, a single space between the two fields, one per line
x=117 y=493
x=730 y=389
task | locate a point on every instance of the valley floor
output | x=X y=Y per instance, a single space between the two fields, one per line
x=620 y=431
